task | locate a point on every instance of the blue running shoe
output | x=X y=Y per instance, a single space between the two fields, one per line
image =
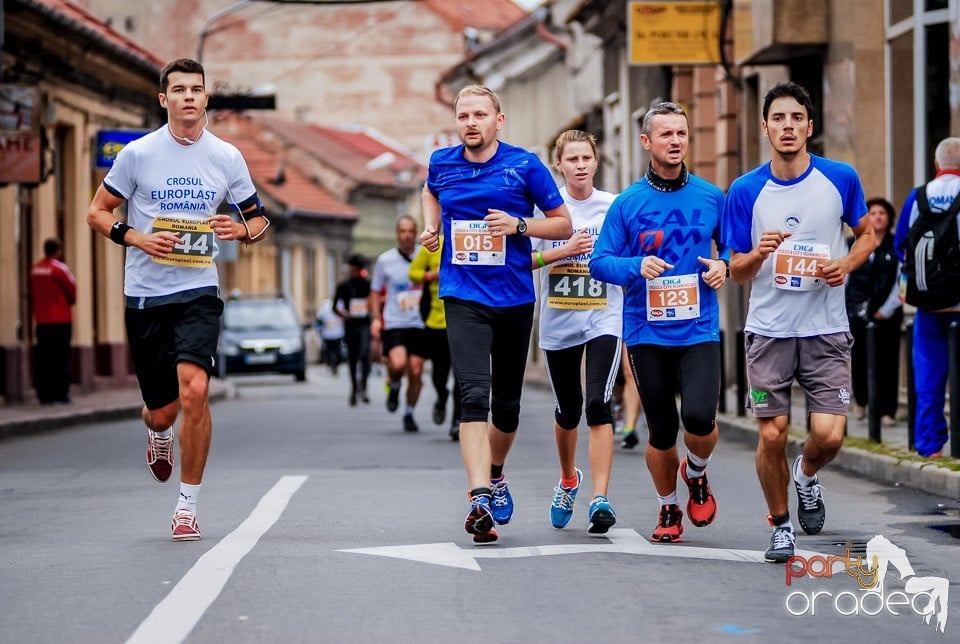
x=479 y=521
x=602 y=516
x=502 y=503
x=561 y=510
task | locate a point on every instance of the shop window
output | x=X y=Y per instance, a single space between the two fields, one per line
x=918 y=85
x=900 y=10
x=901 y=115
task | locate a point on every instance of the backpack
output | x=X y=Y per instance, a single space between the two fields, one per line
x=932 y=267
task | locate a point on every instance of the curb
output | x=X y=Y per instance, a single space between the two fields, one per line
x=924 y=476
x=52 y=421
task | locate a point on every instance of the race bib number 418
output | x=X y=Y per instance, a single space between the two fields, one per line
x=571 y=287
x=195 y=249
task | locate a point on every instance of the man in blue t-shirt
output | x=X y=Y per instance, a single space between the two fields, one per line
x=480 y=197
x=784 y=223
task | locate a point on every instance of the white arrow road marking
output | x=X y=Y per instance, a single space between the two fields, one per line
x=622 y=540
x=174 y=617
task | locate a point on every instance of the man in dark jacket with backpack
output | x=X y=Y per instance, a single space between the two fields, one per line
x=927 y=242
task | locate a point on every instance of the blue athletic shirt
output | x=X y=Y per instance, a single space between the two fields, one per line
x=675 y=226
x=813 y=208
x=513 y=180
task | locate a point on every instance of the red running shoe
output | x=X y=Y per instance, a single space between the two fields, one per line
x=702 y=506
x=160 y=455
x=670 y=526
x=184 y=526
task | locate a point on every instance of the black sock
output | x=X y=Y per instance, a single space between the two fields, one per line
x=496 y=471
x=481 y=491
x=780 y=519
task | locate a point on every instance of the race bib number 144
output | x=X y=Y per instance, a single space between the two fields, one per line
x=195 y=249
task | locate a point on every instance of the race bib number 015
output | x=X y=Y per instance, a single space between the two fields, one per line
x=571 y=287
x=797 y=266
x=474 y=245
x=673 y=298
x=195 y=249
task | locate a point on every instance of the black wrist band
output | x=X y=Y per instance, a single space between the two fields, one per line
x=117 y=232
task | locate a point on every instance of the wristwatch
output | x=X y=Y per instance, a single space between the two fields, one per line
x=521 y=225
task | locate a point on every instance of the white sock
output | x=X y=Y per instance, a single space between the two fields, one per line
x=409 y=410
x=799 y=476
x=167 y=433
x=696 y=465
x=670 y=499
x=188 y=498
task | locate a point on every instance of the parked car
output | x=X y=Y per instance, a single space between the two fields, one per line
x=262 y=334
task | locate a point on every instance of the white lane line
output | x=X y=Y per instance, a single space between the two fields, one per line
x=174 y=617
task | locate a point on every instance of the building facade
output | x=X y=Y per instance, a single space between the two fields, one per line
x=82 y=78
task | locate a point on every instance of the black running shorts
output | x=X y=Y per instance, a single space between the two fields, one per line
x=161 y=336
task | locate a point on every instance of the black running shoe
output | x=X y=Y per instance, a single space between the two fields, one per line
x=439 y=412
x=409 y=424
x=630 y=440
x=393 y=397
x=811 y=513
x=782 y=545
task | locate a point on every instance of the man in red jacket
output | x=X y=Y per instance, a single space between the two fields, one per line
x=53 y=290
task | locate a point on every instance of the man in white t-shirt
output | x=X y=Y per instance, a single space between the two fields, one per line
x=173 y=180
x=396 y=319
x=784 y=223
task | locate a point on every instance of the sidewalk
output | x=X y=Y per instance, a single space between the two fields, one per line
x=100 y=406
x=888 y=461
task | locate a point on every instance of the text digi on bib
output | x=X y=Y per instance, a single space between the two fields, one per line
x=676 y=297
x=797 y=266
x=474 y=244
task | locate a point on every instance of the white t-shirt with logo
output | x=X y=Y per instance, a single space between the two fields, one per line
x=401 y=297
x=176 y=187
x=785 y=302
x=574 y=307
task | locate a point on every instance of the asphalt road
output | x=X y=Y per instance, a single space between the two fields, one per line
x=323 y=523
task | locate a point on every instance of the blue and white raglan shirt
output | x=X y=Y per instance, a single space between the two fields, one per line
x=574 y=307
x=176 y=188
x=475 y=266
x=788 y=299
x=678 y=308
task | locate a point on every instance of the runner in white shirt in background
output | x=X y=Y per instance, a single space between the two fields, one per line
x=396 y=320
x=579 y=314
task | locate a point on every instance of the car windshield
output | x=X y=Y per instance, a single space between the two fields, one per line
x=259 y=315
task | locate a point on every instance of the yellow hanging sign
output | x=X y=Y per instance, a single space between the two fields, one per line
x=674 y=33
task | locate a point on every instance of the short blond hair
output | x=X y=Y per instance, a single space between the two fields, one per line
x=478 y=90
